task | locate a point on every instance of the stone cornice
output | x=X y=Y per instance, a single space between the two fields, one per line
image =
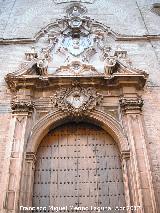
x=35 y=81
x=118 y=38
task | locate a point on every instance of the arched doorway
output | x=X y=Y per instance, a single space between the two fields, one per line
x=78 y=164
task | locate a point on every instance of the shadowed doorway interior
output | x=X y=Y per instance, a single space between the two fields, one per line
x=78 y=165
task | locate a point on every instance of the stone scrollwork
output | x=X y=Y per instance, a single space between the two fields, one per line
x=76 y=37
x=131 y=104
x=75 y=46
x=77 y=68
x=77 y=101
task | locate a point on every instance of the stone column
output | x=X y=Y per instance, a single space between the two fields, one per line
x=140 y=174
x=21 y=112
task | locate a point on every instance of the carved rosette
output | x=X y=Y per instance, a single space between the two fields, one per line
x=131 y=104
x=22 y=106
x=77 y=101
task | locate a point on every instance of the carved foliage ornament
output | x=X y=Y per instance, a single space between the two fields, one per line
x=19 y=106
x=131 y=104
x=77 y=101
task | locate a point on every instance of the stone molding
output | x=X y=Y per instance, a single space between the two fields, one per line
x=23 y=79
x=55 y=118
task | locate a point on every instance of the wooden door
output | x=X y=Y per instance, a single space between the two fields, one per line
x=78 y=165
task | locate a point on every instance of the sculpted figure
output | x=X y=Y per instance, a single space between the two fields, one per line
x=42 y=64
x=110 y=62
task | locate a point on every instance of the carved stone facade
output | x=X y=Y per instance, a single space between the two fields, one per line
x=78 y=70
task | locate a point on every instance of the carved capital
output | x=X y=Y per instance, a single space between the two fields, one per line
x=131 y=104
x=77 y=101
x=21 y=106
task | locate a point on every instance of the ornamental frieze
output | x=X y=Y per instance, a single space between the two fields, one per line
x=77 y=101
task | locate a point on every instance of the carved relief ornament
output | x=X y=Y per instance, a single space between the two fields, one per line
x=131 y=104
x=21 y=106
x=77 y=101
x=76 y=38
x=75 y=45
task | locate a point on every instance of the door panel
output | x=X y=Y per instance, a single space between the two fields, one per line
x=78 y=165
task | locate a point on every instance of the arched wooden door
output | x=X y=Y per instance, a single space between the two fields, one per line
x=78 y=165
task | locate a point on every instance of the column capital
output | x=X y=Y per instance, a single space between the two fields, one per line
x=131 y=104
x=22 y=106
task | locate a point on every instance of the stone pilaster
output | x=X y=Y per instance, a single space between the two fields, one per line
x=140 y=175
x=21 y=110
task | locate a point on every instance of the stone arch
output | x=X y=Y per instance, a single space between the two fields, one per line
x=56 y=118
